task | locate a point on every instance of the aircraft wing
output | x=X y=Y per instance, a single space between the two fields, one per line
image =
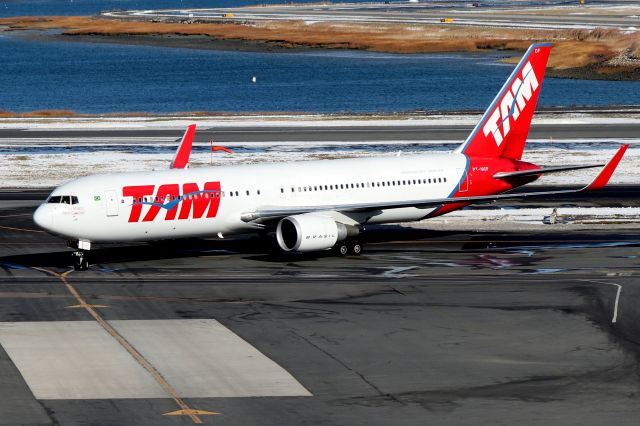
x=274 y=212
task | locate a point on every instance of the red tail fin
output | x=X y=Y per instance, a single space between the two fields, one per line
x=503 y=129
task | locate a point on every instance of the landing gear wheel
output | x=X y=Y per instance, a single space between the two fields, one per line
x=343 y=249
x=80 y=261
x=356 y=248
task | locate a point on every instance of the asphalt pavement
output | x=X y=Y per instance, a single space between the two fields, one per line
x=377 y=133
x=426 y=327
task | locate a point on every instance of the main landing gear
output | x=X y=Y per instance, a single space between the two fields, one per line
x=347 y=247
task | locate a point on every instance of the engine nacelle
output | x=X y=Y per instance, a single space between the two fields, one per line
x=309 y=232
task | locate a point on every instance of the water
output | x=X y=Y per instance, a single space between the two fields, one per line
x=102 y=78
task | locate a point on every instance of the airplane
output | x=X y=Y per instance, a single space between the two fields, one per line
x=313 y=205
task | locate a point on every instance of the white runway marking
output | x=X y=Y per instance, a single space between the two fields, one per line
x=615 y=306
x=75 y=360
x=203 y=358
x=199 y=358
x=396 y=272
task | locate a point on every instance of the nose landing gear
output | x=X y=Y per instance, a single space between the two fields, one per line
x=80 y=260
x=81 y=256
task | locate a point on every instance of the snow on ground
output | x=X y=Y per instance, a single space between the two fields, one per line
x=37 y=169
x=45 y=168
x=532 y=219
x=536 y=216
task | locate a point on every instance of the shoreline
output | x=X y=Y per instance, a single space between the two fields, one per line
x=629 y=112
x=599 y=54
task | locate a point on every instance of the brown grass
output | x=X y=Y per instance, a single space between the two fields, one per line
x=573 y=48
x=39 y=113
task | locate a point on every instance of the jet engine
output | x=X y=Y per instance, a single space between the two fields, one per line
x=310 y=232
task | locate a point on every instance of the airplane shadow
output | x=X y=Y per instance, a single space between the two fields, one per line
x=259 y=249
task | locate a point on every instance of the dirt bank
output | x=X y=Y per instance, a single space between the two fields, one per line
x=594 y=54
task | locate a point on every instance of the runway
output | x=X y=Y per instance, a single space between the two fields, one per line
x=310 y=133
x=426 y=327
x=541 y=15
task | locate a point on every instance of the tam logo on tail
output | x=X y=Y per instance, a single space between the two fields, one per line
x=514 y=100
x=504 y=127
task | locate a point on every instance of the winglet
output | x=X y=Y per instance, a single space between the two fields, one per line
x=605 y=174
x=181 y=159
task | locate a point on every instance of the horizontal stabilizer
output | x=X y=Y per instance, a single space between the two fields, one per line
x=543 y=170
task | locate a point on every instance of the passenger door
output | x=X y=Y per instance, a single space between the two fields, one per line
x=112 y=202
x=464 y=183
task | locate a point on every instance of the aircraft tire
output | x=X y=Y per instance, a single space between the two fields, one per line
x=356 y=248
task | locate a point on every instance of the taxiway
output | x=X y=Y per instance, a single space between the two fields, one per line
x=624 y=15
x=427 y=326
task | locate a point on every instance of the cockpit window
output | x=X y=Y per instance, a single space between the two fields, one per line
x=63 y=199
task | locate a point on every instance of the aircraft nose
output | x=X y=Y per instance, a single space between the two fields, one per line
x=43 y=217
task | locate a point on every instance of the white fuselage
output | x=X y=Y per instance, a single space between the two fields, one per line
x=105 y=210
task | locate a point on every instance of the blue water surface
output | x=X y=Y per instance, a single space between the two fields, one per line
x=102 y=78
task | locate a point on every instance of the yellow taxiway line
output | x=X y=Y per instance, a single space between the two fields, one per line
x=184 y=410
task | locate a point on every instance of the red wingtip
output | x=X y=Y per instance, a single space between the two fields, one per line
x=605 y=174
x=184 y=150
